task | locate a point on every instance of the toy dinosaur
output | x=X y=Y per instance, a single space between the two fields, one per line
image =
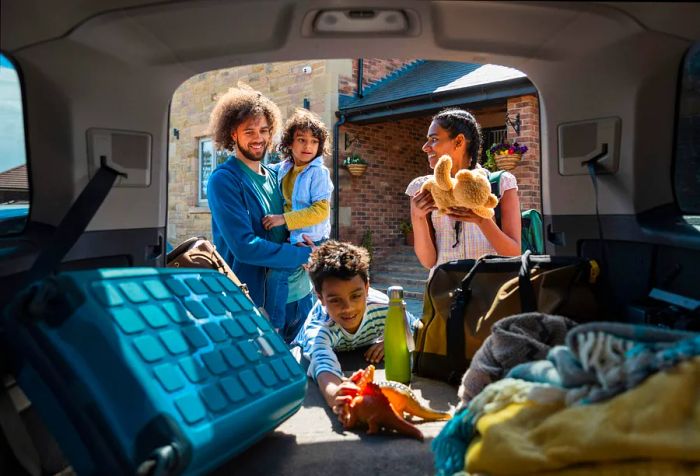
x=401 y=397
x=382 y=405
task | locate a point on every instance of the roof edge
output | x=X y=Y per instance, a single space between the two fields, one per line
x=497 y=89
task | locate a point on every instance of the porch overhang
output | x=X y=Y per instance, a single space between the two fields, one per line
x=480 y=95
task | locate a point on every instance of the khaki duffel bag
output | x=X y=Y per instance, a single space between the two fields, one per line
x=463 y=299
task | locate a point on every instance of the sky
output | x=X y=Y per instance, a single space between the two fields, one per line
x=12 y=151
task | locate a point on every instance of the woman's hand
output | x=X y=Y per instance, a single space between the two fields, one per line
x=271 y=221
x=465 y=214
x=375 y=353
x=423 y=204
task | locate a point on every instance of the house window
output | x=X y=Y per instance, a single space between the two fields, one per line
x=14 y=183
x=209 y=159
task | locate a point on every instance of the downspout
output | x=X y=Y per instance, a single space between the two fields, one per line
x=335 y=231
x=360 y=74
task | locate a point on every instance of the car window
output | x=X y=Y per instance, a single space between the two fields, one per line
x=14 y=184
x=687 y=154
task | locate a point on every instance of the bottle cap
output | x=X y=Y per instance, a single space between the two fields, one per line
x=395 y=292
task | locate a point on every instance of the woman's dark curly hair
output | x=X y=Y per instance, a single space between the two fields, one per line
x=335 y=259
x=459 y=121
x=304 y=120
x=234 y=107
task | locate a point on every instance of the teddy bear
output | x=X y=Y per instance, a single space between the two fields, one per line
x=468 y=189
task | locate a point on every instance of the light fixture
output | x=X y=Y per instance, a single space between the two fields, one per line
x=514 y=124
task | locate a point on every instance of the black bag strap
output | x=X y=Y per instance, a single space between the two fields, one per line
x=74 y=223
x=495 y=181
x=528 y=303
x=456 y=345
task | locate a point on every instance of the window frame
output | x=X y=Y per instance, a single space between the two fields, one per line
x=217 y=158
x=27 y=158
x=681 y=203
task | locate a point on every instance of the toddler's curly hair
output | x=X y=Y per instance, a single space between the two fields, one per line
x=234 y=107
x=335 y=259
x=304 y=120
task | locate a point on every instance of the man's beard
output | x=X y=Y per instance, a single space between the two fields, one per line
x=249 y=155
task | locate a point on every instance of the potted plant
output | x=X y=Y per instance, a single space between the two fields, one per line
x=406 y=228
x=504 y=156
x=355 y=164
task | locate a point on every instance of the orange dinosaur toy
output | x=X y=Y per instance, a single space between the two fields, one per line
x=401 y=397
x=383 y=404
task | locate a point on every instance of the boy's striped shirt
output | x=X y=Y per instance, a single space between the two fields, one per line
x=320 y=337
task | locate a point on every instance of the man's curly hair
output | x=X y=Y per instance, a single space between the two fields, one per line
x=234 y=107
x=304 y=120
x=335 y=259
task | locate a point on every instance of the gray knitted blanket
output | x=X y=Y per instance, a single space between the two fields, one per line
x=513 y=341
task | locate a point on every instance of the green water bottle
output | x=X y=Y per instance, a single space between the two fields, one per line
x=397 y=359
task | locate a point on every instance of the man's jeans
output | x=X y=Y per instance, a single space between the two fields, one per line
x=296 y=314
x=276 y=292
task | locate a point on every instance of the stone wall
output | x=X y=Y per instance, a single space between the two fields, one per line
x=285 y=83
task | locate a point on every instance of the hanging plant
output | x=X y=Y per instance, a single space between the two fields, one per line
x=355 y=164
x=504 y=155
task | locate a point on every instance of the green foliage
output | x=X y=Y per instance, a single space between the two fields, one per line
x=354 y=158
x=406 y=227
x=490 y=163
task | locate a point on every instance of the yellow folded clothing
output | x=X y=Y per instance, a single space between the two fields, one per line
x=656 y=423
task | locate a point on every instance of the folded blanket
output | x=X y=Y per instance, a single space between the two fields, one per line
x=514 y=340
x=451 y=444
x=603 y=359
x=657 y=422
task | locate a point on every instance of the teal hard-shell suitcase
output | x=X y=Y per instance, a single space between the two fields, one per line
x=150 y=371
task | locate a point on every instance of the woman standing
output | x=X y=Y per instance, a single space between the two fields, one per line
x=460 y=234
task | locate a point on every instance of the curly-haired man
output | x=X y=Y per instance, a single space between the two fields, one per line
x=241 y=192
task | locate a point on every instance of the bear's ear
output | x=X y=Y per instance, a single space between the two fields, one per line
x=464 y=175
x=492 y=201
x=443 y=169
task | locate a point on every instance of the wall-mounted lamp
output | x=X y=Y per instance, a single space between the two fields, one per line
x=514 y=124
x=176 y=133
x=307 y=104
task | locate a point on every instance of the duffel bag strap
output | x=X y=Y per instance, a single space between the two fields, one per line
x=455 y=334
x=528 y=303
x=456 y=343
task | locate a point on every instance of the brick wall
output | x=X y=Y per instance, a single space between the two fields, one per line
x=528 y=172
x=376 y=200
x=373 y=70
x=285 y=83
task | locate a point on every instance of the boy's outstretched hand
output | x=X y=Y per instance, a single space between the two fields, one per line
x=343 y=395
x=271 y=221
x=375 y=353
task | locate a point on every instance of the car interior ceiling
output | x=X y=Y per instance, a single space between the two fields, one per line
x=116 y=64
